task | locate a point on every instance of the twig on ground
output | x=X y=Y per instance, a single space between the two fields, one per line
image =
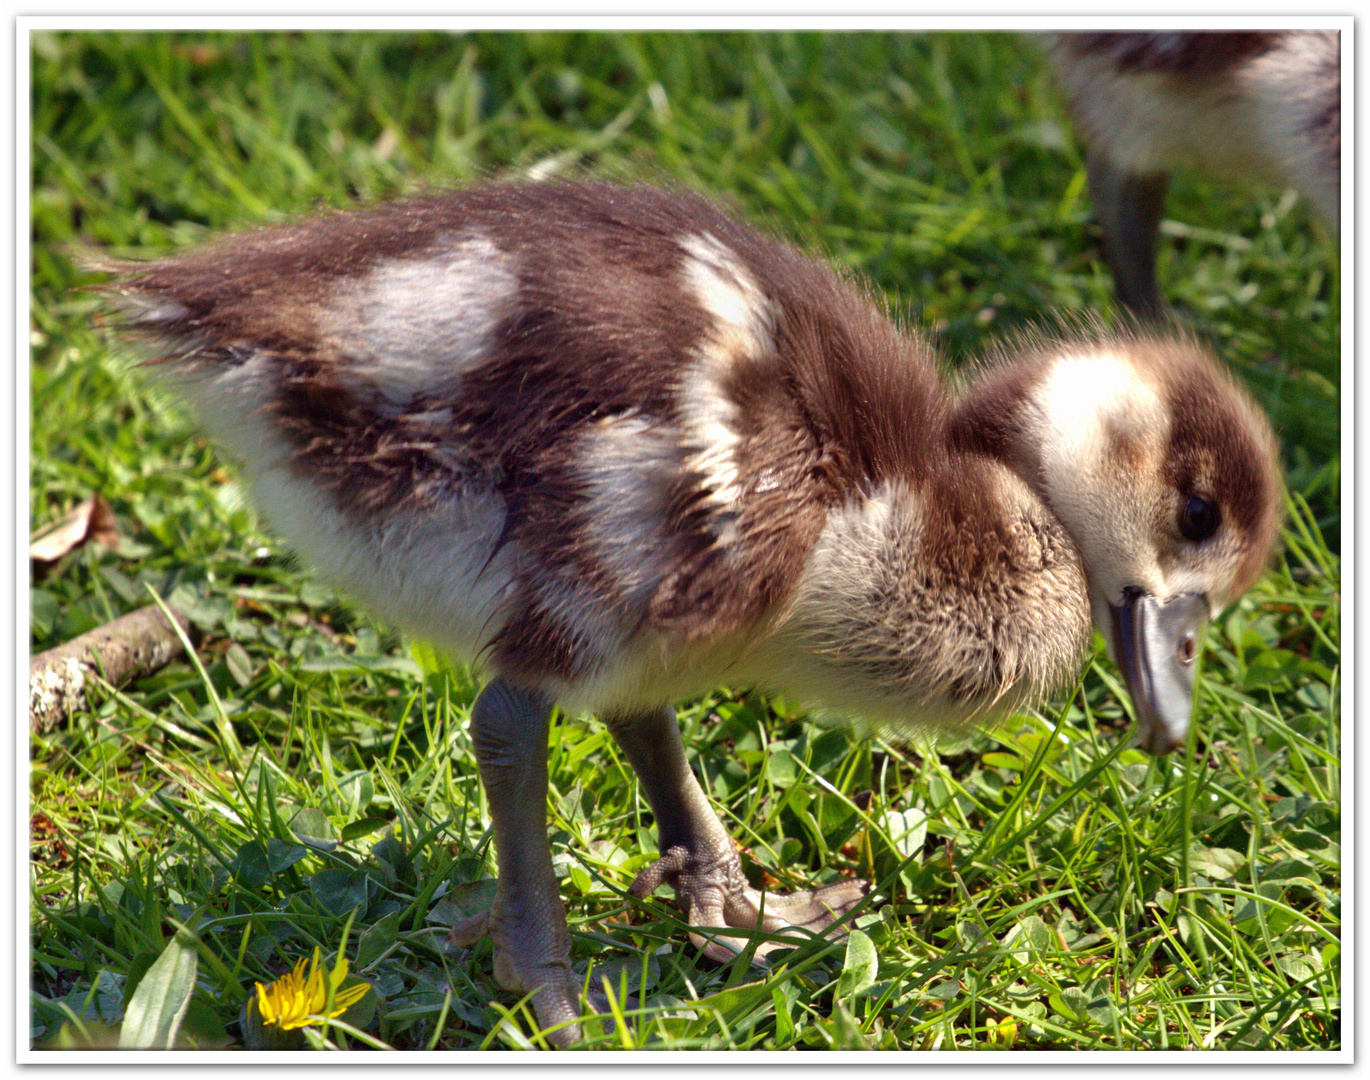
x=133 y=645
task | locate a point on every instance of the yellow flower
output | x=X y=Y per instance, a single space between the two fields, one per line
x=298 y=999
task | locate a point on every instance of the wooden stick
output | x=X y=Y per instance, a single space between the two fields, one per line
x=133 y=645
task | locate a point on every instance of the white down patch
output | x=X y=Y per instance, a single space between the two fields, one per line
x=413 y=326
x=233 y=403
x=744 y=327
x=429 y=571
x=626 y=467
x=1088 y=406
x=149 y=310
x=630 y=467
x=1086 y=397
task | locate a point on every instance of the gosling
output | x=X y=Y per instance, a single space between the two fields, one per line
x=623 y=448
x=1261 y=105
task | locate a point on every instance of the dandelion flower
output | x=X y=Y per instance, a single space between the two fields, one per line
x=299 y=997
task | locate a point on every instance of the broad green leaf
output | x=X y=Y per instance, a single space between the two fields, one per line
x=282 y=854
x=376 y=940
x=312 y=826
x=251 y=866
x=1271 y=666
x=163 y=995
x=1030 y=939
x=339 y=891
x=1083 y=1003
x=363 y=827
x=1216 y=864
x=908 y=829
x=462 y=902
x=358 y=791
x=859 y=967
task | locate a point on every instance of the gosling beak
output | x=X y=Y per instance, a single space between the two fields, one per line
x=1156 y=645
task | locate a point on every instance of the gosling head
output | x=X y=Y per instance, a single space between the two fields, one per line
x=1165 y=474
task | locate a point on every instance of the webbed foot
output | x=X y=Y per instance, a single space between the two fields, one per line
x=713 y=893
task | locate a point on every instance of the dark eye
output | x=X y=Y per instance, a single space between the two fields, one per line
x=1199 y=519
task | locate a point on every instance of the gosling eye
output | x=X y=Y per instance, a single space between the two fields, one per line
x=1199 y=519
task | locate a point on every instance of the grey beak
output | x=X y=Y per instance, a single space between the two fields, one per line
x=1156 y=645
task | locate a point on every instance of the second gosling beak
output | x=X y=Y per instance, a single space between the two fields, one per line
x=1156 y=643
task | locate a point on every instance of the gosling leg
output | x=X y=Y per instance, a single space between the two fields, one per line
x=1129 y=207
x=527 y=921
x=698 y=858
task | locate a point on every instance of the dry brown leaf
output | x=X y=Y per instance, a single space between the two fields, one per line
x=91 y=520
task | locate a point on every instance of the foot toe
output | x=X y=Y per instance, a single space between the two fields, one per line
x=813 y=911
x=470 y=930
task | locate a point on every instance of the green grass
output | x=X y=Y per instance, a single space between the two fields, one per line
x=1042 y=887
